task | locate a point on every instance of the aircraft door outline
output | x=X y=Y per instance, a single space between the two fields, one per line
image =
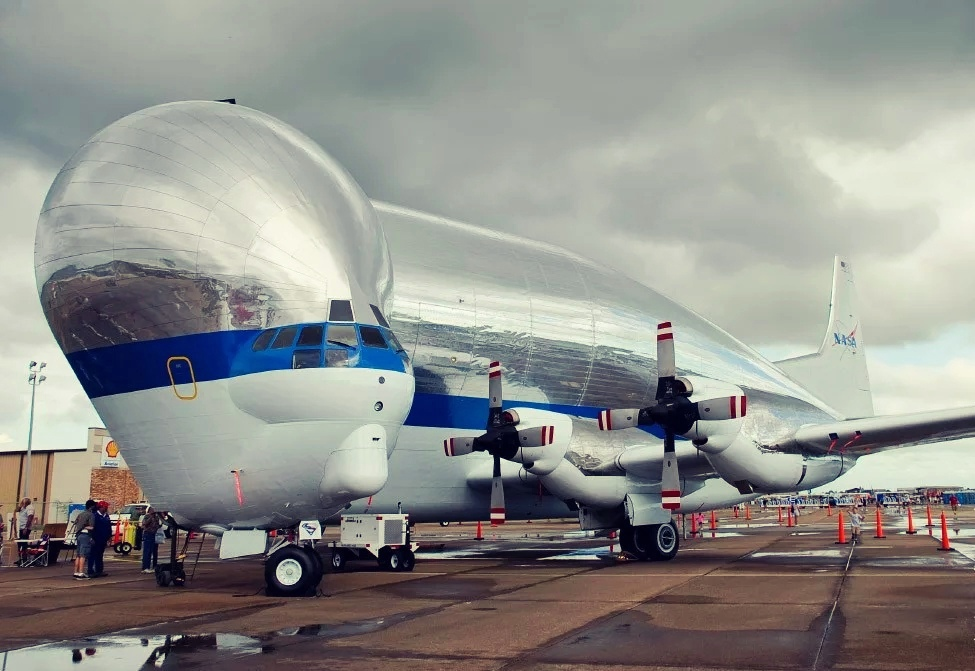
x=180 y=368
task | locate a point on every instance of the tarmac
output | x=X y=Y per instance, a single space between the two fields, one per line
x=752 y=595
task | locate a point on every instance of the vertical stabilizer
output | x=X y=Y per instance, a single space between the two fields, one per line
x=837 y=373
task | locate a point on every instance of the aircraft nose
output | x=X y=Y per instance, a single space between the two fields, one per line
x=199 y=217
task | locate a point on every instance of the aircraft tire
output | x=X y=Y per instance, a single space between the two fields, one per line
x=290 y=572
x=626 y=540
x=317 y=559
x=662 y=541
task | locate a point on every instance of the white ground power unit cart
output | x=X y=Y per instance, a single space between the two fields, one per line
x=385 y=538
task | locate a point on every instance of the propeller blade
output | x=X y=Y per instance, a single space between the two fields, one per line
x=670 y=478
x=458 y=447
x=728 y=407
x=666 y=361
x=611 y=420
x=497 y=495
x=494 y=394
x=537 y=436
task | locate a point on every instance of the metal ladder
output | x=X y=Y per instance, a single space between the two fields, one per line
x=197 y=541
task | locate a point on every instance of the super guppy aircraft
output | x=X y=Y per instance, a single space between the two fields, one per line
x=269 y=347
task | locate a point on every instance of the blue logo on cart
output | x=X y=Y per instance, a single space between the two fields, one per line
x=309 y=527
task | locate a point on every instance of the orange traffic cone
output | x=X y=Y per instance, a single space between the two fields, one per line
x=788 y=517
x=945 y=546
x=736 y=512
x=714 y=522
x=930 y=523
x=841 y=532
x=693 y=523
x=880 y=526
x=780 y=514
x=910 y=522
x=480 y=532
x=829 y=510
x=748 y=512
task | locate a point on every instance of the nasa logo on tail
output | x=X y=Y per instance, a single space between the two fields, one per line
x=848 y=340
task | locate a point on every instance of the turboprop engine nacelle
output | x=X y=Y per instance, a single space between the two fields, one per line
x=714 y=436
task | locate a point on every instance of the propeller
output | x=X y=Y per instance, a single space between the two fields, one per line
x=672 y=411
x=502 y=440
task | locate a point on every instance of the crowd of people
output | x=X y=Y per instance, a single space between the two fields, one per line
x=93 y=533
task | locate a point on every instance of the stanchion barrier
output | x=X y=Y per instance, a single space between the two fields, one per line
x=910 y=522
x=930 y=523
x=780 y=514
x=945 y=546
x=693 y=523
x=480 y=532
x=829 y=510
x=714 y=522
x=841 y=532
x=880 y=526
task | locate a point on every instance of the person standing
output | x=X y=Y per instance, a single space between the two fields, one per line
x=100 y=536
x=150 y=524
x=25 y=522
x=856 y=524
x=84 y=524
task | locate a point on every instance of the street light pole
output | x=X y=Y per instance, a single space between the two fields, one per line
x=34 y=379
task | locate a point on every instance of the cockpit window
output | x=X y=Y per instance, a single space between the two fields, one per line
x=263 y=340
x=379 y=316
x=285 y=338
x=336 y=358
x=372 y=337
x=307 y=358
x=394 y=341
x=340 y=311
x=341 y=334
x=311 y=336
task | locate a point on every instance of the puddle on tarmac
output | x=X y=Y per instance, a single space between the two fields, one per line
x=127 y=652
x=121 y=652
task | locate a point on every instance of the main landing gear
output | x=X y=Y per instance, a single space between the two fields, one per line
x=652 y=542
x=293 y=570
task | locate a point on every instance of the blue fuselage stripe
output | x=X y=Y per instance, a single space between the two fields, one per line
x=132 y=367
x=122 y=369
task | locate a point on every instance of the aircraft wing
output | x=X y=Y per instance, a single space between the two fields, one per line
x=856 y=437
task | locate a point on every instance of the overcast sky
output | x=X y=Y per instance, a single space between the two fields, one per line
x=721 y=155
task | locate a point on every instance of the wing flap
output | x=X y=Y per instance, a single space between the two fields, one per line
x=856 y=437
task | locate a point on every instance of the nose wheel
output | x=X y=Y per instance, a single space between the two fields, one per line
x=293 y=571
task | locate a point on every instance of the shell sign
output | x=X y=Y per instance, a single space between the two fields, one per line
x=110 y=454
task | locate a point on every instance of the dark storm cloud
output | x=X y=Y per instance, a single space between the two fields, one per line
x=636 y=133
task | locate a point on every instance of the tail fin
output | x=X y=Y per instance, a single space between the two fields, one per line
x=837 y=373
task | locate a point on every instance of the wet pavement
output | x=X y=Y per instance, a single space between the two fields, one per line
x=531 y=596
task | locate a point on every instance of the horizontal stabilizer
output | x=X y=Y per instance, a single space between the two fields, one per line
x=837 y=373
x=856 y=437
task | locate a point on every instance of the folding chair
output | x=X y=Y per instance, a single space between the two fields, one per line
x=36 y=553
